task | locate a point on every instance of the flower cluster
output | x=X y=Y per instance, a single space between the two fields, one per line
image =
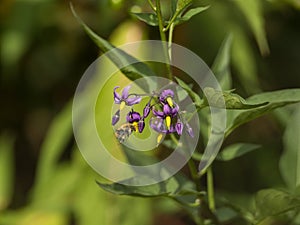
x=166 y=116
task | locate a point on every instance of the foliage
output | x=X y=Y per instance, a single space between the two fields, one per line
x=255 y=106
x=64 y=185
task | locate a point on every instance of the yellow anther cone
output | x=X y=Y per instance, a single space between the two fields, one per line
x=136 y=126
x=170 y=102
x=168 y=122
x=122 y=105
x=159 y=137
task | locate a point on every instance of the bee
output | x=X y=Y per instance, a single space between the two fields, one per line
x=124 y=131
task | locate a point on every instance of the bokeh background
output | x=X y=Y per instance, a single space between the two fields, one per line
x=44 y=52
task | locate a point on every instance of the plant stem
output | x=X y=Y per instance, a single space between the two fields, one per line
x=210 y=190
x=170 y=41
x=172 y=20
x=163 y=38
x=151 y=5
x=191 y=165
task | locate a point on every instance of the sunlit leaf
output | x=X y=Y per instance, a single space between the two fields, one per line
x=221 y=66
x=236 y=150
x=189 y=14
x=276 y=99
x=6 y=169
x=149 y=18
x=271 y=202
x=290 y=160
x=117 y=56
x=232 y=101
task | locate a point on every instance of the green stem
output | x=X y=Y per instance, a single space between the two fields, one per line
x=151 y=5
x=210 y=190
x=163 y=38
x=172 y=20
x=191 y=165
x=170 y=41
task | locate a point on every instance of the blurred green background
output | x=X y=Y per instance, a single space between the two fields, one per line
x=44 y=52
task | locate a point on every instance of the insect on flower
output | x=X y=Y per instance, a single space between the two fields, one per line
x=165 y=118
x=134 y=123
x=124 y=131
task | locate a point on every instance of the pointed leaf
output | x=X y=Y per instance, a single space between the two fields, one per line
x=189 y=14
x=221 y=66
x=182 y=4
x=175 y=186
x=271 y=202
x=236 y=150
x=290 y=160
x=252 y=9
x=57 y=138
x=194 y=96
x=149 y=18
x=276 y=99
x=232 y=101
x=134 y=70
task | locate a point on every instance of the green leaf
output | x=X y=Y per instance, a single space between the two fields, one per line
x=236 y=150
x=252 y=9
x=217 y=99
x=182 y=4
x=149 y=18
x=194 y=96
x=174 y=187
x=244 y=61
x=6 y=169
x=221 y=66
x=56 y=140
x=189 y=14
x=290 y=160
x=231 y=152
x=276 y=100
x=272 y=202
x=117 y=56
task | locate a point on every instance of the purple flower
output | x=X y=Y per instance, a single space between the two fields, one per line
x=158 y=124
x=136 y=120
x=189 y=130
x=166 y=97
x=179 y=127
x=165 y=118
x=146 y=110
x=124 y=98
x=167 y=111
x=115 y=118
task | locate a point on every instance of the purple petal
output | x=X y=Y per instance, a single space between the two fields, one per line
x=172 y=129
x=179 y=127
x=175 y=110
x=115 y=118
x=189 y=130
x=158 y=113
x=133 y=100
x=167 y=109
x=141 y=126
x=156 y=123
x=125 y=92
x=133 y=117
x=146 y=110
x=166 y=93
x=117 y=97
